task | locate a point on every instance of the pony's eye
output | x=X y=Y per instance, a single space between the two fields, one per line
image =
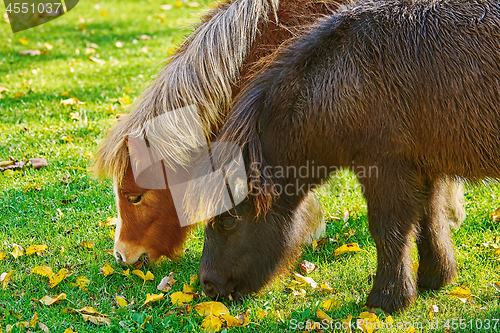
x=228 y=223
x=135 y=199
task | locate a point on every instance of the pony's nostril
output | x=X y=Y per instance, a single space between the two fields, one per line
x=210 y=289
x=119 y=258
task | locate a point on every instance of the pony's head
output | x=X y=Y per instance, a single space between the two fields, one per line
x=147 y=226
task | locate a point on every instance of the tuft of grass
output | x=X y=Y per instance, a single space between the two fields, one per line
x=67 y=206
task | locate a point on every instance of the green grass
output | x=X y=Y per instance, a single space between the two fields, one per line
x=36 y=124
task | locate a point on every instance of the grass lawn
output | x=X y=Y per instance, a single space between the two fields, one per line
x=63 y=207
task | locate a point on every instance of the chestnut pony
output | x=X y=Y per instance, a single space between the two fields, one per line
x=206 y=71
x=406 y=88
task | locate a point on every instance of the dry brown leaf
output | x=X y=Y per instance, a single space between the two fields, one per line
x=97 y=320
x=33 y=52
x=307 y=266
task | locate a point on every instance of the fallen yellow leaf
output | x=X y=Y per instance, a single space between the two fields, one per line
x=81 y=282
x=88 y=245
x=33 y=321
x=323 y=316
x=110 y=221
x=326 y=287
x=98 y=320
x=188 y=289
x=213 y=308
x=368 y=322
x=353 y=247
x=5 y=278
x=211 y=323
x=150 y=298
x=304 y=281
x=148 y=277
x=43 y=271
x=3 y=255
x=106 y=270
x=47 y=300
x=55 y=279
x=97 y=60
x=331 y=304
x=104 y=14
x=462 y=293
x=38 y=249
x=178 y=4
x=193 y=279
x=71 y=101
x=69 y=330
x=125 y=100
x=23 y=41
x=261 y=314
x=180 y=298
x=126 y=272
x=17 y=251
x=121 y=301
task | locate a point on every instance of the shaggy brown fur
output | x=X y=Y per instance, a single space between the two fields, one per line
x=408 y=86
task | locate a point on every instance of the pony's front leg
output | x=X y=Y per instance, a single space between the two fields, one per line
x=394 y=200
x=437 y=266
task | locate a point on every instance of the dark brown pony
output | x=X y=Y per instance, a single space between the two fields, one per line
x=207 y=72
x=407 y=89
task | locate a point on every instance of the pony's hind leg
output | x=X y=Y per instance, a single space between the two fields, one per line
x=456 y=201
x=437 y=266
x=395 y=204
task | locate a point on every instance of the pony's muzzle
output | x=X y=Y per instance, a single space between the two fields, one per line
x=123 y=261
x=218 y=290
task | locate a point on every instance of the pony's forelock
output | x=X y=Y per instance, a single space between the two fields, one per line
x=200 y=73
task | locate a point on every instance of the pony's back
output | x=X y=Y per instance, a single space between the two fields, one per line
x=417 y=79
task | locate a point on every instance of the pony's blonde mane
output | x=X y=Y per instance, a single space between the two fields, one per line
x=201 y=74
